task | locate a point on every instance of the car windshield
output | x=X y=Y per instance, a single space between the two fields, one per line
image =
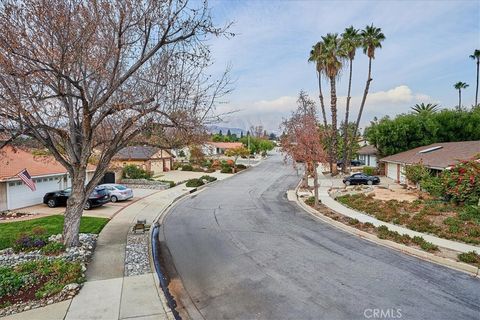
x=120 y=187
x=68 y=190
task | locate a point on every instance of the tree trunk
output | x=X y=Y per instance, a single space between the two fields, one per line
x=315 y=182
x=305 y=176
x=73 y=213
x=459 y=98
x=476 y=91
x=324 y=116
x=333 y=107
x=362 y=105
x=345 y=129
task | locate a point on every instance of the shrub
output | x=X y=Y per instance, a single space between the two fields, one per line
x=428 y=246
x=241 y=166
x=226 y=170
x=53 y=248
x=132 y=171
x=170 y=183
x=469 y=257
x=310 y=201
x=433 y=185
x=181 y=154
x=369 y=170
x=187 y=167
x=470 y=213
x=33 y=240
x=176 y=165
x=208 y=178
x=47 y=276
x=194 y=183
x=462 y=182
x=353 y=222
x=416 y=172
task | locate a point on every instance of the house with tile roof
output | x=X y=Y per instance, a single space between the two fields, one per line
x=47 y=174
x=219 y=148
x=438 y=157
x=148 y=158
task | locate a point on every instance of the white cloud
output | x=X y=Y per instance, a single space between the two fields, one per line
x=281 y=104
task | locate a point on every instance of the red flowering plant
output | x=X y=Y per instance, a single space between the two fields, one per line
x=462 y=182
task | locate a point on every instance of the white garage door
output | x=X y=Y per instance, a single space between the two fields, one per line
x=392 y=171
x=19 y=195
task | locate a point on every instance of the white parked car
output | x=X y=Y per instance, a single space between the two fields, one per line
x=117 y=191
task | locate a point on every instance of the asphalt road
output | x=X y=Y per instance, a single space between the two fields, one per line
x=244 y=252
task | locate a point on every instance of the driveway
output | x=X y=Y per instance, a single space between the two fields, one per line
x=106 y=211
x=243 y=251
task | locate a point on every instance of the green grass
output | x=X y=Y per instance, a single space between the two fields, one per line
x=52 y=224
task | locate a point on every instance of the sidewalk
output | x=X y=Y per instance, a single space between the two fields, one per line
x=324 y=197
x=108 y=294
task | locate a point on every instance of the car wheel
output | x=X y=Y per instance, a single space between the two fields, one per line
x=88 y=205
x=52 y=203
x=369 y=182
x=113 y=199
x=347 y=183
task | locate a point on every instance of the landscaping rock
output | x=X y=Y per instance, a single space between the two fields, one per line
x=83 y=253
x=137 y=258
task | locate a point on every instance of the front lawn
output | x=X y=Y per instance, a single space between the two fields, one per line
x=10 y=231
x=444 y=219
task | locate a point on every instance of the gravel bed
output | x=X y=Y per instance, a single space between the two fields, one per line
x=137 y=257
x=82 y=253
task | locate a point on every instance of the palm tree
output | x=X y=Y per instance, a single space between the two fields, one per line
x=476 y=56
x=371 y=38
x=331 y=55
x=422 y=107
x=459 y=86
x=350 y=42
x=316 y=56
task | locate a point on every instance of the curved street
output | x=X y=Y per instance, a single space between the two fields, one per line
x=243 y=251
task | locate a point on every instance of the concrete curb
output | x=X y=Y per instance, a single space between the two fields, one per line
x=459 y=266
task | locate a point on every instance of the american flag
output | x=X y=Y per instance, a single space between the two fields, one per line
x=25 y=176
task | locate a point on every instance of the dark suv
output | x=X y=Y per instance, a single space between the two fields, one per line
x=98 y=197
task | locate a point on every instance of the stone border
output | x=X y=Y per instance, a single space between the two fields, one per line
x=426 y=256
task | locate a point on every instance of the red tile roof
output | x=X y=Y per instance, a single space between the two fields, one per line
x=439 y=155
x=226 y=145
x=14 y=160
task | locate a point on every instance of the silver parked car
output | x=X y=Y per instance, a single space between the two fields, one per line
x=117 y=191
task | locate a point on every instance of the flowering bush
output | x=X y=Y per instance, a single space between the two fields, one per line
x=462 y=182
x=35 y=239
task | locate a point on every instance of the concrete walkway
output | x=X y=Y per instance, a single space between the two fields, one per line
x=326 y=183
x=108 y=294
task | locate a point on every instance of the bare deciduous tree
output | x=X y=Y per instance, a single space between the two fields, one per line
x=302 y=139
x=89 y=77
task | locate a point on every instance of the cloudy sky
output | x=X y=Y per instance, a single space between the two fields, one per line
x=425 y=52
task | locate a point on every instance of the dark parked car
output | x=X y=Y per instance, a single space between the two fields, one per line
x=354 y=163
x=98 y=197
x=361 y=178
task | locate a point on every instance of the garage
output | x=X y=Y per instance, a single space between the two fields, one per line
x=19 y=195
x=392 y=171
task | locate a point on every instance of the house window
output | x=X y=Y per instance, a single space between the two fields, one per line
x=11 y=184
x=19 y=183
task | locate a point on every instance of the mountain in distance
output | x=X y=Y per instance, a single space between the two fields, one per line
x=216 y=129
